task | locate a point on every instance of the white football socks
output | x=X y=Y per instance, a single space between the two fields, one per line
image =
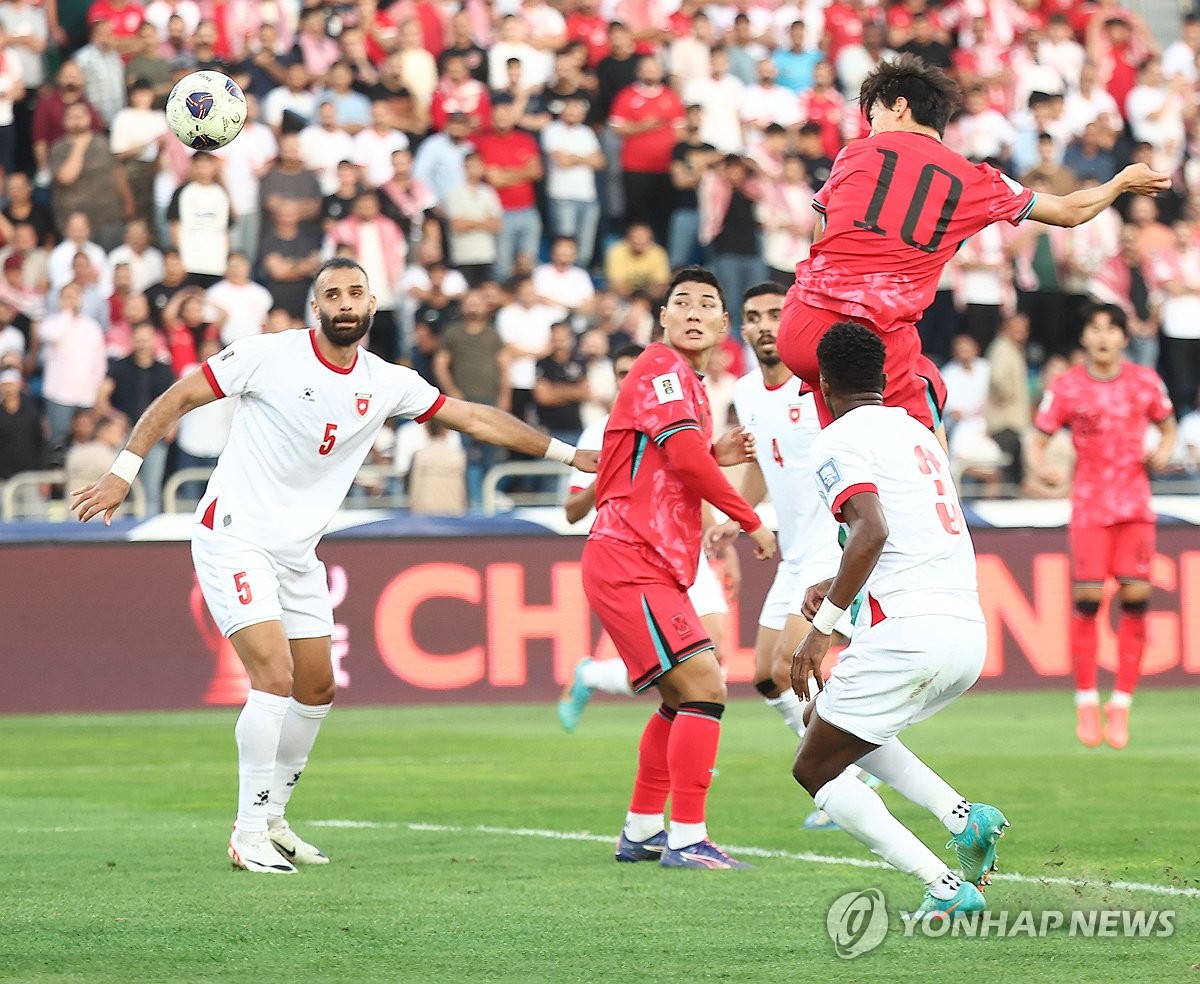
x=893 y=763
x=301 y=724
x=642 y=826
x=686 y=834
x=609 y=676
x=1084 y=698
x=788 y=704
x=1120 y=699
x=859 y=811
x=257 y=735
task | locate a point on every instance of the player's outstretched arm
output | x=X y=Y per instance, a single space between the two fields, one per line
x=493 y=426
x=689 y=456
x=1085 y=204
x=105 y=495
x=753 y=490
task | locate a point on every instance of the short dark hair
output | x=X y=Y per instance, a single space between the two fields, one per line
x=339 y=263
x=696 y=275
x=762 y=289
x=632 y=350
x=931 y=94
x=850 y=357
x=1115 y=314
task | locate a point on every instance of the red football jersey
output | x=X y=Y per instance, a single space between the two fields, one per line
x=1108 y=419
x=897 y=207
x=640 y=498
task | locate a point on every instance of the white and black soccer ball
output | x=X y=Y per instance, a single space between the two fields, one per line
x=206 y=110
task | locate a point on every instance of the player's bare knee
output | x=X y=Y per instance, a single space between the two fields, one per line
x=1135 y=597
x=809 y=772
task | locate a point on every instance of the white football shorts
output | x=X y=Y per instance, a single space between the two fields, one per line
x=706 y=594
x=901 y=671
x=792 y=579
x=243 y=585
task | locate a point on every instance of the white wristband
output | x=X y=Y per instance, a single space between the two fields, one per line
x=558 y=450
x=126 y=467
x=828 y=615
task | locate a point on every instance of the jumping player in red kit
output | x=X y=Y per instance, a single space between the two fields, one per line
x=897 y=206
x=658 y=464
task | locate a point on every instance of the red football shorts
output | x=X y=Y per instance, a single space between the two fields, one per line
x=648 y=615
x=801 y=327
x=1122 y=551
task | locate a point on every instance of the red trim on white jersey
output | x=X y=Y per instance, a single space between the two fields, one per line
x=210 y=515
x=212 y=380
x=877 y=613
x=777 y=386
x=846 y=493
x=432 y=411
x=345 y=371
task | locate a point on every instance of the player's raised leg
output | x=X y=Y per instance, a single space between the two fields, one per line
x=312 y=697
x=609 y=676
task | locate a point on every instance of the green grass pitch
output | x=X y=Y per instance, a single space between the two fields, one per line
x=475 y=844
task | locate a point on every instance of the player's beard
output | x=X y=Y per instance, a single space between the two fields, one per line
x=345 y=335
x=767 y=360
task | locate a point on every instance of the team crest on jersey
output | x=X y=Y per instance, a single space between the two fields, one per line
x=829 y=475
x=362 y=403
x=794 y=412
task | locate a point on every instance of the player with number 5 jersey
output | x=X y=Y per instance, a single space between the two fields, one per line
x=311 y=404
x=896 y=208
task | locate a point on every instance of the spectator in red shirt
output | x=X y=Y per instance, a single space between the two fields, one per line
x=651 y=117
x=586 y=25
x=512 y=164
x=458 y=92
x=126 y=18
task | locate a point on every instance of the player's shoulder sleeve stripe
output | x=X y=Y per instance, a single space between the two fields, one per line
x=674 y=428
x=432 y=411
x=818 y=206
x=1024 y=213
x=212 y=380
x=849 y=492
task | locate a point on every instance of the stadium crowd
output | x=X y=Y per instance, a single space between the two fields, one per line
x=519 y=178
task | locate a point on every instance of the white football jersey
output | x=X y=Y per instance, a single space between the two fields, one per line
x=300 y=432
x=784 y=424
x=928 y=562
x=592 y=439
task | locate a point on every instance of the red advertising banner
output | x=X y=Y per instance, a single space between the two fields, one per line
x=122 y=626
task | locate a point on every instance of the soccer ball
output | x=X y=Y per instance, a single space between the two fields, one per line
x=206 y=110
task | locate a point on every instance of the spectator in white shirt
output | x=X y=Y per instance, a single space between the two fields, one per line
x=574 y=156
x=561 y=283
x=373 y=146
x=137 y=133
x=294 y=96
x=475 y=215
x=324 y=145
x=1179 y=59
x=767 y=103
x=145 y=261
x=241 y=305
x=77 y=231
x=1157 y=111
x=200 y=215
x=967 y=376
x=536 y=66
x=1089 y=101
x=246 y=161
x=721 y=96
x=981 y=133
x=524 y=325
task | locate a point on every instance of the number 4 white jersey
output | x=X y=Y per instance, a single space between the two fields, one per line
x=784 y=424
x=928 y=562
x=300 y=432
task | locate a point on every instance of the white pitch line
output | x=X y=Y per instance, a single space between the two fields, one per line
x=754 y=852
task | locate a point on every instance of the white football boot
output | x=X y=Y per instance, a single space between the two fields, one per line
x=289 y=844
x=253 y=851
